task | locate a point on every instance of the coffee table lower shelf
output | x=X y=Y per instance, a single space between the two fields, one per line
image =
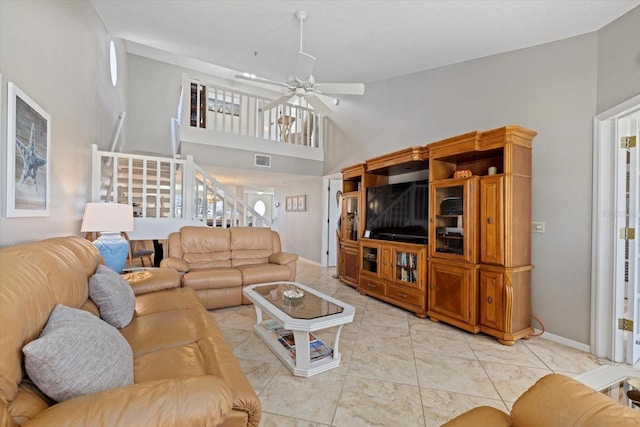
x=298 y=367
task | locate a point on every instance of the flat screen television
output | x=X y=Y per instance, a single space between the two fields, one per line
x=398 y=212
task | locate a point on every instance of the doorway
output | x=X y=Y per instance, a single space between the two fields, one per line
x=332 y=214
x=615 y=319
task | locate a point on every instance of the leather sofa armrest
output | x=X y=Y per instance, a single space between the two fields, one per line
x=480 y=416
x=175 y=263
x=195 y=401
x=152 y=279
x=283 y=258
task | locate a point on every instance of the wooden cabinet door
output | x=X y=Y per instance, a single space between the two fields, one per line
x=492 y=220
x=387 y=266
x=409 y=266
x=452 y=292
x=371 y=261
x=492 y=299
x=453 y=219
x=350 y=264
x=350 y=213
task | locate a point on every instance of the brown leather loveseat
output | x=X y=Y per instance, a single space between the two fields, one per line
x=218 y=262
x=555 y=400
x=182 y=371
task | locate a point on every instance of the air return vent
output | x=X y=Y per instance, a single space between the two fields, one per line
x=262 y=160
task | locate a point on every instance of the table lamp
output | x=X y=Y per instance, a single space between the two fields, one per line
x=109 y=220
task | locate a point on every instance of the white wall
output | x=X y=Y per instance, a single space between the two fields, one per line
x=301 y=232
x=619 y=60
x=57 y=52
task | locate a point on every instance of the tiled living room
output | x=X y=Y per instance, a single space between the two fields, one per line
x=117 y=105
x=396 y=368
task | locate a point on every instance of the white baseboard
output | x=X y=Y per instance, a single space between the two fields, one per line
x=564 y=341
x=310 y=262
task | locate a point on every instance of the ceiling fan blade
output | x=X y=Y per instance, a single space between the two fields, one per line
x=340 y=88
x=319 y=104
x=254 y=78
x=304 y=66
x=282 y=100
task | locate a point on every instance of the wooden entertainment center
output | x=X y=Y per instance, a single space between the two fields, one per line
x=470 y=264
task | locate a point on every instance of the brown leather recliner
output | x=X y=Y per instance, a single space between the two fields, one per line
x=555 y=400
x=217 y=262
x=184 y=373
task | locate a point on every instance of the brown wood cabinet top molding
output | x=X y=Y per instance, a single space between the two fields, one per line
x=481 y=141
x=398 y=158
x=353 y=171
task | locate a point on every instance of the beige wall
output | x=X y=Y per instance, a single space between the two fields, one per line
x=58 y=54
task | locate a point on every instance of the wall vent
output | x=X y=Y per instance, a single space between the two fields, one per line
x=262 y=161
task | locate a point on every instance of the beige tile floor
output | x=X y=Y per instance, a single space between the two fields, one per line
x=396 y=369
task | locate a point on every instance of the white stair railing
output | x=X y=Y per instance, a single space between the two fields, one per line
x=168 y=188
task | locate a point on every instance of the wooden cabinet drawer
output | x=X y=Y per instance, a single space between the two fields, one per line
x=370 y=286
x=410 y=296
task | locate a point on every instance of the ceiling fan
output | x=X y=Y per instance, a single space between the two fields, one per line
x=302 y=83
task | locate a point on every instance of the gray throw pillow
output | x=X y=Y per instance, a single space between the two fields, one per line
x=77 y=354
x=113 y=296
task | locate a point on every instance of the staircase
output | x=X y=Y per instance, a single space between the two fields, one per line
x=167 y=194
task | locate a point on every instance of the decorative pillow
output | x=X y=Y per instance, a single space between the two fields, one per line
x=113 y=296
x=77 y=354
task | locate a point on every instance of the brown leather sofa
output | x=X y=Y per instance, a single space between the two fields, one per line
x=184 y=373
x=555 y=400
x=217 y=262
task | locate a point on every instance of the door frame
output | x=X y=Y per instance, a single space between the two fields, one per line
x=326 y=199
x=604 y=263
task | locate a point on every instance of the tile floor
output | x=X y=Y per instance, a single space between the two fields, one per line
x=396 y=369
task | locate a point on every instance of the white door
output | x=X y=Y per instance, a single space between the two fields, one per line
x=615 y=292
x=335 y=186
x=627 y=244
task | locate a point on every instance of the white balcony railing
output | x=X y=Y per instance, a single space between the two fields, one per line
x=212 y=107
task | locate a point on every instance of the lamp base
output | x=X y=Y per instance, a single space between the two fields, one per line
x=114 y=250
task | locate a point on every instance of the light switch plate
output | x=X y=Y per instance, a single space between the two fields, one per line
x=537 y=226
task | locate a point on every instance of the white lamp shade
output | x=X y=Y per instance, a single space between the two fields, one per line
x=107 y=217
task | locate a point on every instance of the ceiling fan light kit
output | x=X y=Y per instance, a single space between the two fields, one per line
x=302 y=83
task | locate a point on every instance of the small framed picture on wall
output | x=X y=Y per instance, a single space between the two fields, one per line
x=297 y=203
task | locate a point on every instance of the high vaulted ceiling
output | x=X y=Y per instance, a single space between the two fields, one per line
x=354 y=41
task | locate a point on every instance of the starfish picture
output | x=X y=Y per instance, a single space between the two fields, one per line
x=32 y=161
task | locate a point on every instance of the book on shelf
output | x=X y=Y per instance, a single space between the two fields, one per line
x=318 y=350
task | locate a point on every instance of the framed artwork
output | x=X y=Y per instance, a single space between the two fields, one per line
x=28 y=156
x=302 y=205
x=297 y=203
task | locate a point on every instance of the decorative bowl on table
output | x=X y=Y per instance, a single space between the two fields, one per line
x=293 y=295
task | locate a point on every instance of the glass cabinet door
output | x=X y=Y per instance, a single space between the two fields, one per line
x=452 y=222
x=350 y=204
x=370 y=258
x=406 y=267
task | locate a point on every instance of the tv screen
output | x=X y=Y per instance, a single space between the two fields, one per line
x=398 y=211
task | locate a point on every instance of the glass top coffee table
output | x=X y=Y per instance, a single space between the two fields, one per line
x=614 y=381
x=296 y=310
